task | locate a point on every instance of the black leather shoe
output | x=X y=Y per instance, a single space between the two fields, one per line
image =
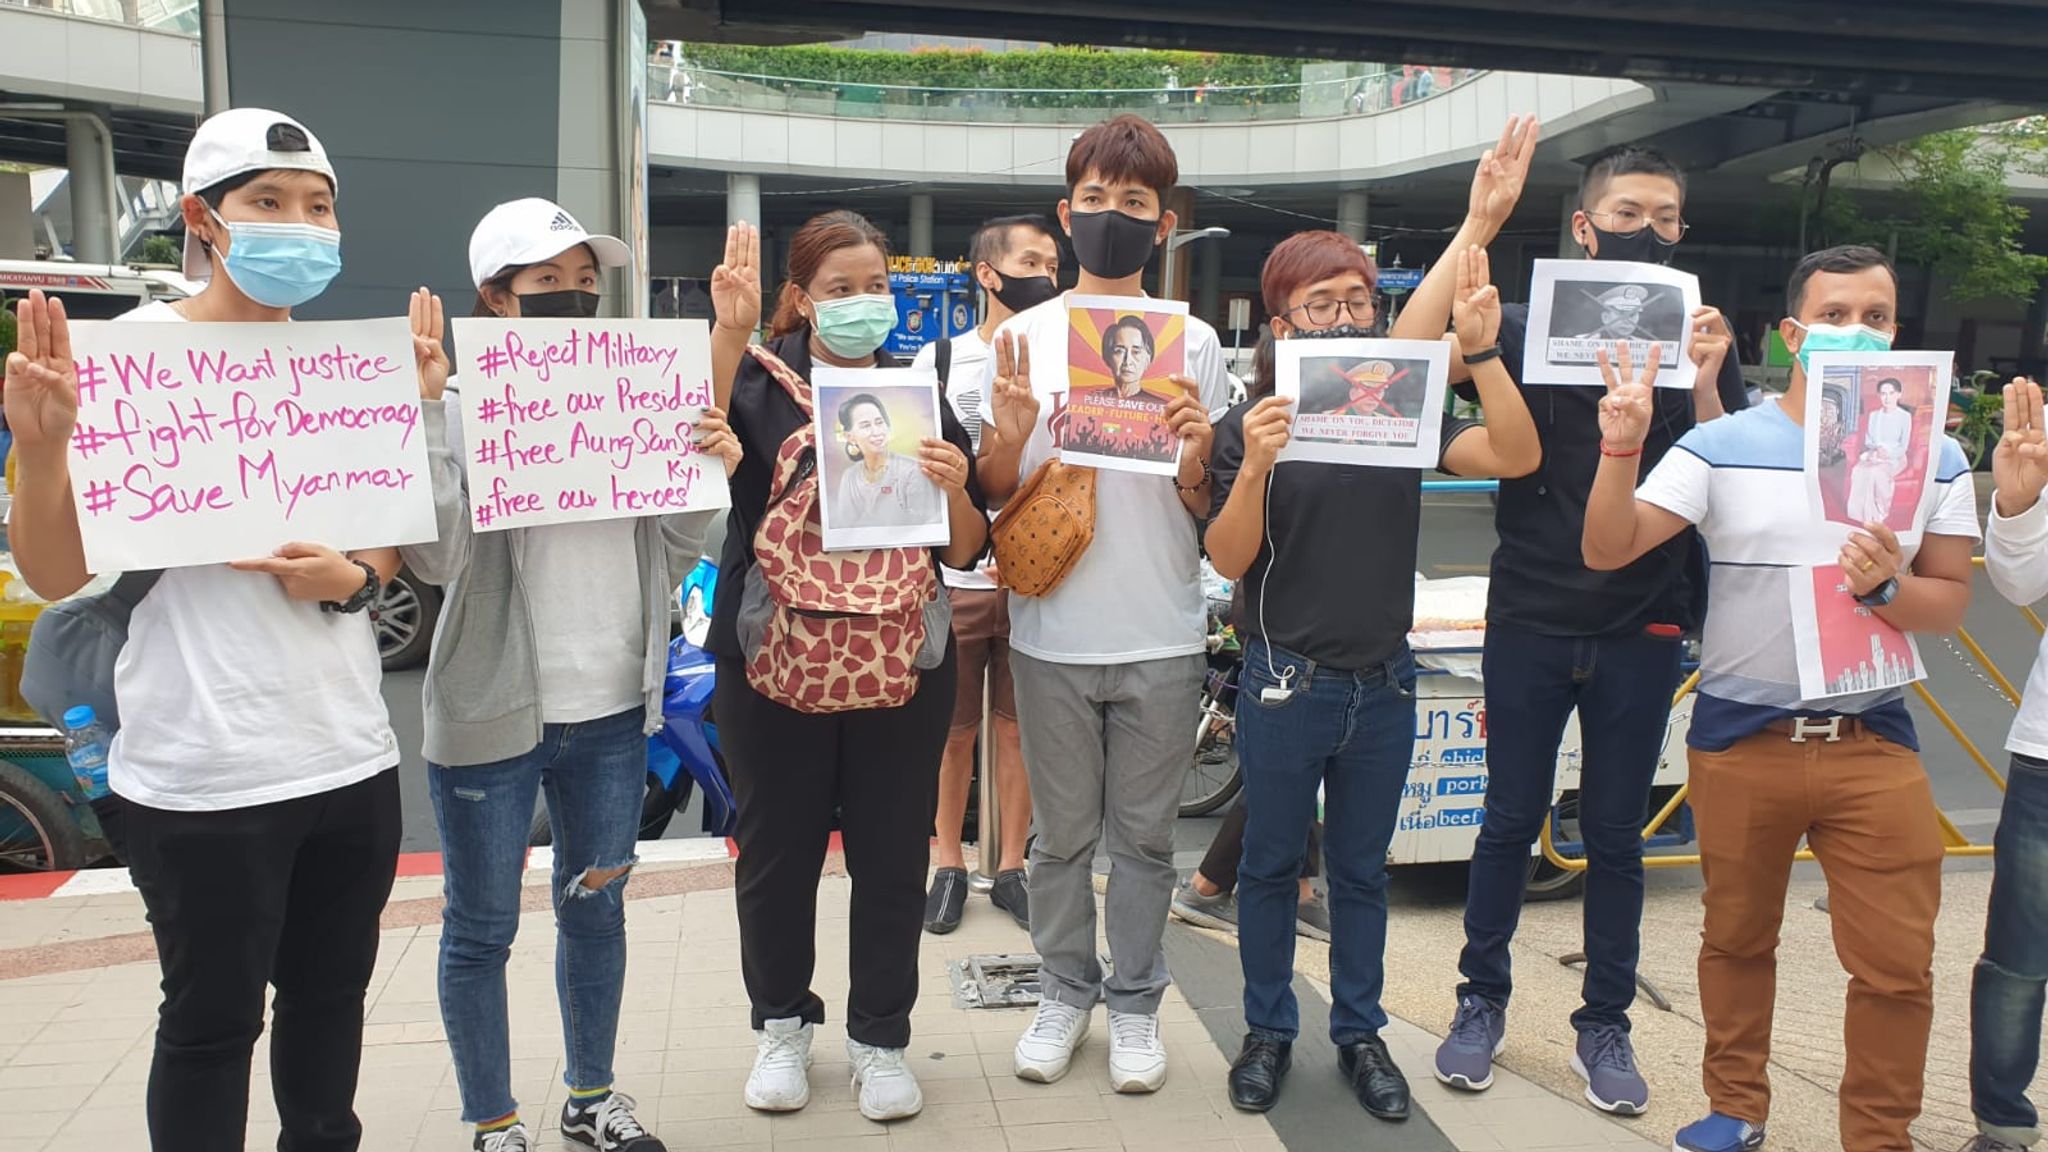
x=1378 y=1083
x=1256 y=1075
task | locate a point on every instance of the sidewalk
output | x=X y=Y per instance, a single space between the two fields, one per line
x=78 y=991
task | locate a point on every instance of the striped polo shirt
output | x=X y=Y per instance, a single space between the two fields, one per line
x=1739 y=479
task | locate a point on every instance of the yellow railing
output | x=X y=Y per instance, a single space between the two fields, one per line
x=1957 y=843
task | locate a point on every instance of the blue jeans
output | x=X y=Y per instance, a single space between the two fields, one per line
x=1622 y=687
x=1353 y=733
x=2006 y=990
x=595 y=775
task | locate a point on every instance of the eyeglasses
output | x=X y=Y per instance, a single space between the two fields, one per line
x=1625 y=221
x=1324 y=312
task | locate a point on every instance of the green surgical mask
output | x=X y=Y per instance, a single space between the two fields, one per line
x=852 y=327
x=1840 y=338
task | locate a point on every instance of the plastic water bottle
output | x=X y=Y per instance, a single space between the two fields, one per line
x=85 y=746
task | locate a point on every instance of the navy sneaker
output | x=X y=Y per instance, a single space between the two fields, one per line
x=1465 y=1058
x=1606 y=1062
x=1718 y=1133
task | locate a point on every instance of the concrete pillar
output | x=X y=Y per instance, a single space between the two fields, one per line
x=1351 y=214
x=17 y=217
x=743 y=198
x=1567 y=245
x=1173 y=262
x=1209 y=281
x=213 y=48
x=89 y=155
x=921 y=224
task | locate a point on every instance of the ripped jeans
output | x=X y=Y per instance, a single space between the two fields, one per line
x=595 y=777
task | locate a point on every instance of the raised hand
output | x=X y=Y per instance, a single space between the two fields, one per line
x=715 y=437
x=1503 y=170
x=42 y=381
x=1625 y=410
x=428 y=352
x=1711 y=340
x=1011 y=397
x=2019 y=464
x=1267 y=428
x=311 y=572
x=736 y=283
x=1475 y=310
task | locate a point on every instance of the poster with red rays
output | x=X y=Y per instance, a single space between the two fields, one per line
x=1843 y=647
x=1121 y=356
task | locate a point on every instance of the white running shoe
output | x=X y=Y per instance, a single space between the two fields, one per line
x=1047 y=1047
x=887 y=1089
x=1137 y=1055
x=782 y=1059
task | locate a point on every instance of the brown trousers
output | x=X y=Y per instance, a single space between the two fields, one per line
x=1864 y=806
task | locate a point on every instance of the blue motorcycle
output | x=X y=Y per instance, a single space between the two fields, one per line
x=684 y=755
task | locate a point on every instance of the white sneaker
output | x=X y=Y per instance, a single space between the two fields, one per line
x=782 y=1058
x=887 y=1089
x=1047 y=1047
x=1137 y=1056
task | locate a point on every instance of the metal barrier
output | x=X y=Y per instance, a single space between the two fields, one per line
x=1956 y=843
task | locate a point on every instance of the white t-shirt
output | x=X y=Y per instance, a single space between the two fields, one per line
x=964 y=390
x=1136 y=593
x=233 y=694
x=583 y=596
x=2016 y=558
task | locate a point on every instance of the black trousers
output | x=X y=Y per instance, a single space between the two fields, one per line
x=1226 y=851
x=792 y=772
x=284 y=894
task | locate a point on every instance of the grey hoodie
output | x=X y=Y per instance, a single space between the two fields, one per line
x=483 y=679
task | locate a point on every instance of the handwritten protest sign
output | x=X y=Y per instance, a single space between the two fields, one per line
x=203 y=443
x=572 y=420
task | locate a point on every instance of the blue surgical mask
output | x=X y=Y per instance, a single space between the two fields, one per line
x=281 y=265
x=852 y=327
x=1839 y=338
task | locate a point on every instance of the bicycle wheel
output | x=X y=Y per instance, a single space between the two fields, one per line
x=1213 y=779
x=37 y=832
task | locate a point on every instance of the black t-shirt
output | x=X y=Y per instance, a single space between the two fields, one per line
x=1540 y=581
x=763 y=416
x=1343 y=590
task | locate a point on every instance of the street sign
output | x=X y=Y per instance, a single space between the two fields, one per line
x=1397 y=281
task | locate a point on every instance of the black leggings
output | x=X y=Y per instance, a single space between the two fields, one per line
x=877 y=772
x=1219 y=867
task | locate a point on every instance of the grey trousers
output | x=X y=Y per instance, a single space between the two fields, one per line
x=1106 y=748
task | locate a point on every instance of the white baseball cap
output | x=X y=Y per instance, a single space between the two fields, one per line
x=531 y=231
x=234 y=143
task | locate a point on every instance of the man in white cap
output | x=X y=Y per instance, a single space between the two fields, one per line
x=254 y=758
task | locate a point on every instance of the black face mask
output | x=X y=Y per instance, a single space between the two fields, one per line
x=1336 y=332
x=564 y=305
x=1643 y=246
x=1021 y=293
x=1111 y=245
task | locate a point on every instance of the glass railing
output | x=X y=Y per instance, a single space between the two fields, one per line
x=680 y=83
x=177 y=16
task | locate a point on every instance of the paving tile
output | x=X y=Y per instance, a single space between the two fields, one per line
x=1063 y=1137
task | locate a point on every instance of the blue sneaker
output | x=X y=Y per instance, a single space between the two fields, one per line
x=1465 y=1058
x=1606 y=1062
x=1718 y=1133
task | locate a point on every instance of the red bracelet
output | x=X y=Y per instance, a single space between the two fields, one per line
x=1606 y=451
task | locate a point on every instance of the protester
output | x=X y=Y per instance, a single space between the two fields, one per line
x=1767 y=766
x=2006 y=990
x=1016 y=261
x=1326 y=703
x=262 y=861
x=1208 y=899
x=558 y=636
x=1108 y=665
x=1606 y=644
x=794 y=768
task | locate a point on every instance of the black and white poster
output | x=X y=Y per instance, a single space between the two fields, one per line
x=1578 y=307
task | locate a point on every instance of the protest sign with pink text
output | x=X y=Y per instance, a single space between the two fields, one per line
x=204 y=443
x=572 y=420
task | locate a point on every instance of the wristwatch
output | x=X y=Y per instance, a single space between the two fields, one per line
x=1881 y=595
x=364 y=596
